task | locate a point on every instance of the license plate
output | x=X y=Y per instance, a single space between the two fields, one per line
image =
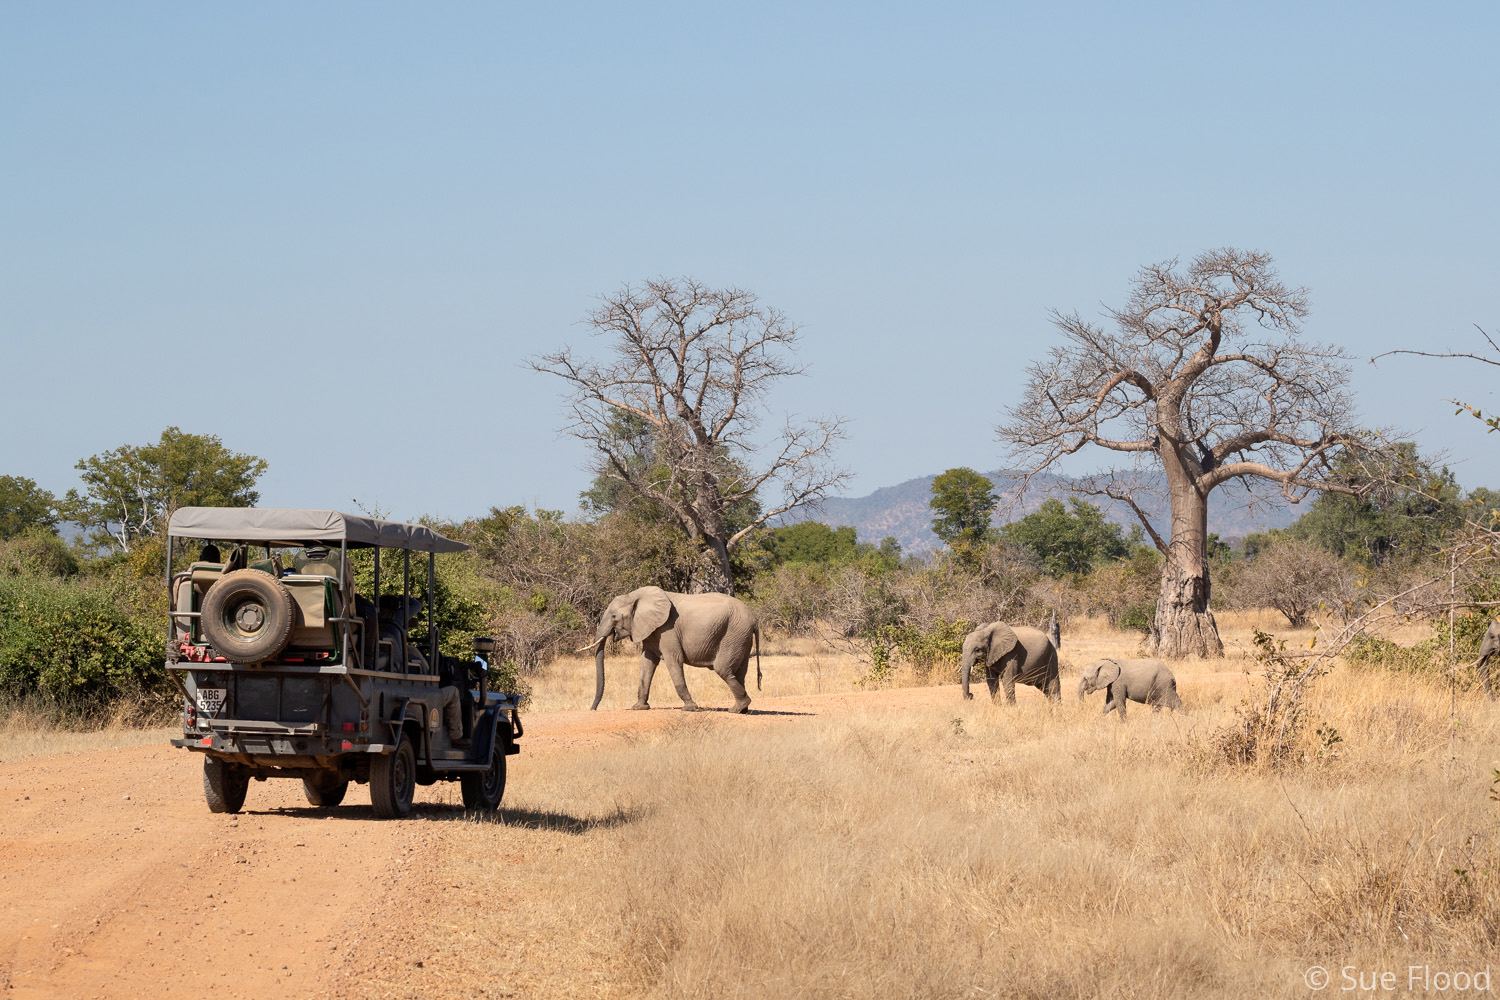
x=210 y=700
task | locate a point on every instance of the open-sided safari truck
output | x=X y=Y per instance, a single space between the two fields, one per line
x=286 y=672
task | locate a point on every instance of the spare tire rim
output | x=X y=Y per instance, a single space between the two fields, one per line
x=246 y=618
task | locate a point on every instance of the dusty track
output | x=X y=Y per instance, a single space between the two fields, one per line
x=115 y=880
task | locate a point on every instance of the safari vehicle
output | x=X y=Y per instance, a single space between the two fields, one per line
x=286 y=672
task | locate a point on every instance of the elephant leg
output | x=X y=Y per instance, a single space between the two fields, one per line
x=736 y=686
x=992 y=679
x=648 y=671
x=1008 y=679
x=1053 y=688
x=674 y=667
x=1120 y=700
x=732 y=670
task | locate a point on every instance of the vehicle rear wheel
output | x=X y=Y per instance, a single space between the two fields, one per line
x=484 y=791
x=393 y=781
x=224 y=786
x=248 y=616
x=325 y=792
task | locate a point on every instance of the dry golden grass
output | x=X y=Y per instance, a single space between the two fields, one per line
x=977 y=851
x=23 y=735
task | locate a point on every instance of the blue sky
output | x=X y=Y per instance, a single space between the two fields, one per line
x=291 y=224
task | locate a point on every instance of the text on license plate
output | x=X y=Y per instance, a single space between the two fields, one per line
x=210 y=700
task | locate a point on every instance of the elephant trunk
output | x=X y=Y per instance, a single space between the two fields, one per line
x=598 y=674
x=967 y=669
x=1083 y=687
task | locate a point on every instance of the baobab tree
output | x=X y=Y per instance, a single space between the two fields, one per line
x=1203 y=374
x=672 y=412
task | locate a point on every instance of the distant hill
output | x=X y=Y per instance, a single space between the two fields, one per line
x=901 y=511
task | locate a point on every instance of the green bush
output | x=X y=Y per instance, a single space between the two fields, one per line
x=1428 y=657
x=37 y=553
x=926 y=649
x=74 y=644
x=1138 y=616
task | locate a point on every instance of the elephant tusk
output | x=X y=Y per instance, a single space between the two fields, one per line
x=589 y=647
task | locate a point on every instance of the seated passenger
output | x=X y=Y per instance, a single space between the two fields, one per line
x=453 y=717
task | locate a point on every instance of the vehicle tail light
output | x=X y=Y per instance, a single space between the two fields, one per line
x=348 y=727
x=207 y=741
x=190 y=717
x=347 y=746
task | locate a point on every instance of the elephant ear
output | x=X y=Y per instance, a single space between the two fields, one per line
x=1109 y=672
x=652 y=608
x=1002 y=641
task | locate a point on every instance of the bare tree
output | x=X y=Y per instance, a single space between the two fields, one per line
x=695 y=365
x=1296 y=578
x=1203 y=375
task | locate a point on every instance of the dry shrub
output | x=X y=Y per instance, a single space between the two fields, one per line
x=1124 y=593
x=1296 y=578
x=790 y=598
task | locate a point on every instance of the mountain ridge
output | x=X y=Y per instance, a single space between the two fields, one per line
x=901 y=511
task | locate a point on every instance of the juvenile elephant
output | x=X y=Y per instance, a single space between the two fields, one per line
x=704 y=630
x=1487 y=651
x=1149 y=682
x=1023 y=654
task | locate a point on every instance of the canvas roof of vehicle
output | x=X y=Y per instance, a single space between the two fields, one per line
x=297 y=526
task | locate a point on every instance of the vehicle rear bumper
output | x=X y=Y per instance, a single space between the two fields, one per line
x=279 y=747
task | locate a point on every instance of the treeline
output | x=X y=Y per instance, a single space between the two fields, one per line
x=82 y=620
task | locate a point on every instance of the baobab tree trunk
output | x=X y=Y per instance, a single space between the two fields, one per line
x=718 y=571
x=1184 y=625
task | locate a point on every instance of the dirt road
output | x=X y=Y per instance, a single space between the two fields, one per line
x=116 y=881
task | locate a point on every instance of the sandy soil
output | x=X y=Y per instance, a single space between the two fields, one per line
x=116 y=881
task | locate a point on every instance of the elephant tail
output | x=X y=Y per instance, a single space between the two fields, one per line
x=757 y=656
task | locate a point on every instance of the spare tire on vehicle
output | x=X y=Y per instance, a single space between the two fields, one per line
x=248 y=616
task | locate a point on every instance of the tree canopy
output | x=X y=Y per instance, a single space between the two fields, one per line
x=963 y=501
x=24 y=507
x=811 y=542
x=1404 y=519
x=1072 y=539
x=129 y=492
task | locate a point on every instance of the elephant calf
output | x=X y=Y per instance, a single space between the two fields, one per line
x=1149 y=682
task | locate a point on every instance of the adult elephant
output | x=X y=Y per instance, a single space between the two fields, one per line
x=1487 y=651
x=703 y=630
x=1012 y=654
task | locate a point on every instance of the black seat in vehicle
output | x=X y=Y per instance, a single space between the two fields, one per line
x=395 y=623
